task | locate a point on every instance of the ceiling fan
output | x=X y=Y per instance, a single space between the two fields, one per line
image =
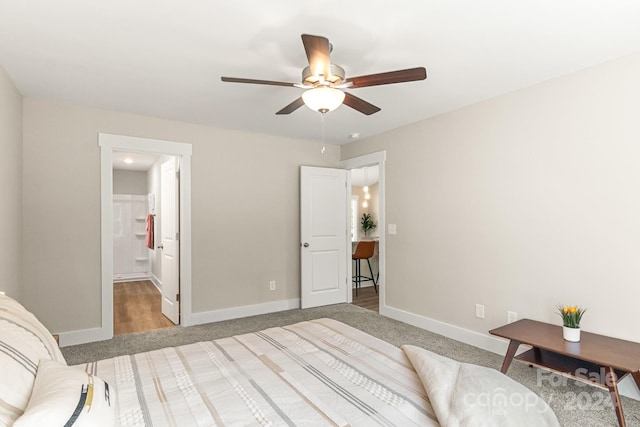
x=323 y=81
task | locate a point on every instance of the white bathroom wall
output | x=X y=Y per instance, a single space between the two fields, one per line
x=130 y=254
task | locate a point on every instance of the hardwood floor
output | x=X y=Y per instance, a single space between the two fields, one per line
x=137 y=307
x=367 y=298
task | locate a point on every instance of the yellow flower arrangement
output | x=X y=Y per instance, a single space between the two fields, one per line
x=571 y=315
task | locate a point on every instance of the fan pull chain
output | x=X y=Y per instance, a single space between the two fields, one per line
x=323 y=132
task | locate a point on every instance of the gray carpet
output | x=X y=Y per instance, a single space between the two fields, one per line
x=575 y=404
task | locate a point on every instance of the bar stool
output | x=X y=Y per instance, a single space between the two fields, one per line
x=364 y=250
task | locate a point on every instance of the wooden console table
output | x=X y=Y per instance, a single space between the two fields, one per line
x=583 y=361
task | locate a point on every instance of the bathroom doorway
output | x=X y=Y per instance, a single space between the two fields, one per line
x=181 y=152
x=138 y=197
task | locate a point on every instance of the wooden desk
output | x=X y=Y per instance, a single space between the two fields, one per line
x=583 y=361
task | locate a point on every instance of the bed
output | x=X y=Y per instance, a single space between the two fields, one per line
x=312 y=373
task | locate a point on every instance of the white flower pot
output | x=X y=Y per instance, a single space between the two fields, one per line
x=571 y=334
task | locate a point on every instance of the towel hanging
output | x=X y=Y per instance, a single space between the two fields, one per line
x=149 y=241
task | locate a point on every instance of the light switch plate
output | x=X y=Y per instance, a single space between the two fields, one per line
x=392 y=229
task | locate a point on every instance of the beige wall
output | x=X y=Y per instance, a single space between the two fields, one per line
x=245 y=210
x=10 y=186
x=520 y=203
x=129 y=182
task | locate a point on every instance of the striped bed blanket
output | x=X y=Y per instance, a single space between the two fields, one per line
x=313 y=373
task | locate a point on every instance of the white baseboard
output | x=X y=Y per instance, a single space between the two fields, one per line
x=131 y=277
x=626 y=387
x=476 y=339
x=243 y=311
x=84 y=336
x=156 y=282
x=100 y=334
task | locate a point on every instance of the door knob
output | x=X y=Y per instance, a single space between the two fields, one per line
x=160 y=246
x=306 y=245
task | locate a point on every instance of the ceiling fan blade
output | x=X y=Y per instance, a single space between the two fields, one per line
x=318 y=50
x=257 y=82
x=359 y=104
x=400 y=76
x=292 y=107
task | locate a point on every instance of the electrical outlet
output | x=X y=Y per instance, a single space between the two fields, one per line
x=512 y=316
x=480 y=311
x=272 y=285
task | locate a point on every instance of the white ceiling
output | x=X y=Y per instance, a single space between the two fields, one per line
x=138 y=161
x=165 y=58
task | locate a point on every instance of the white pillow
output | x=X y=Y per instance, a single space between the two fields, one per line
x=463 y=394
x=67 y=396
x=24 y=341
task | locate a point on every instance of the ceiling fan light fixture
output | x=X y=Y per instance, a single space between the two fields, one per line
x=323 y=99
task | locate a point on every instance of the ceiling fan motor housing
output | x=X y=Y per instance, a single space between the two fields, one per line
x=336 y=77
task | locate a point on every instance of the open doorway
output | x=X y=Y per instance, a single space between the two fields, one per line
x=368 y=170
x=138 y=203
x=178 y=236
x=325 y=247
x=365 y=214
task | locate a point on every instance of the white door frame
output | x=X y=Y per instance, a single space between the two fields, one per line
x=108 y=144
x=377 y=158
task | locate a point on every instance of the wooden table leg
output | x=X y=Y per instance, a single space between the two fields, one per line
x=611 y=381
x=636 y=376
x=511 y=351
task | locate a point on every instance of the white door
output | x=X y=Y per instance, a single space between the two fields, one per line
x=323 y=230
x=169 y=238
